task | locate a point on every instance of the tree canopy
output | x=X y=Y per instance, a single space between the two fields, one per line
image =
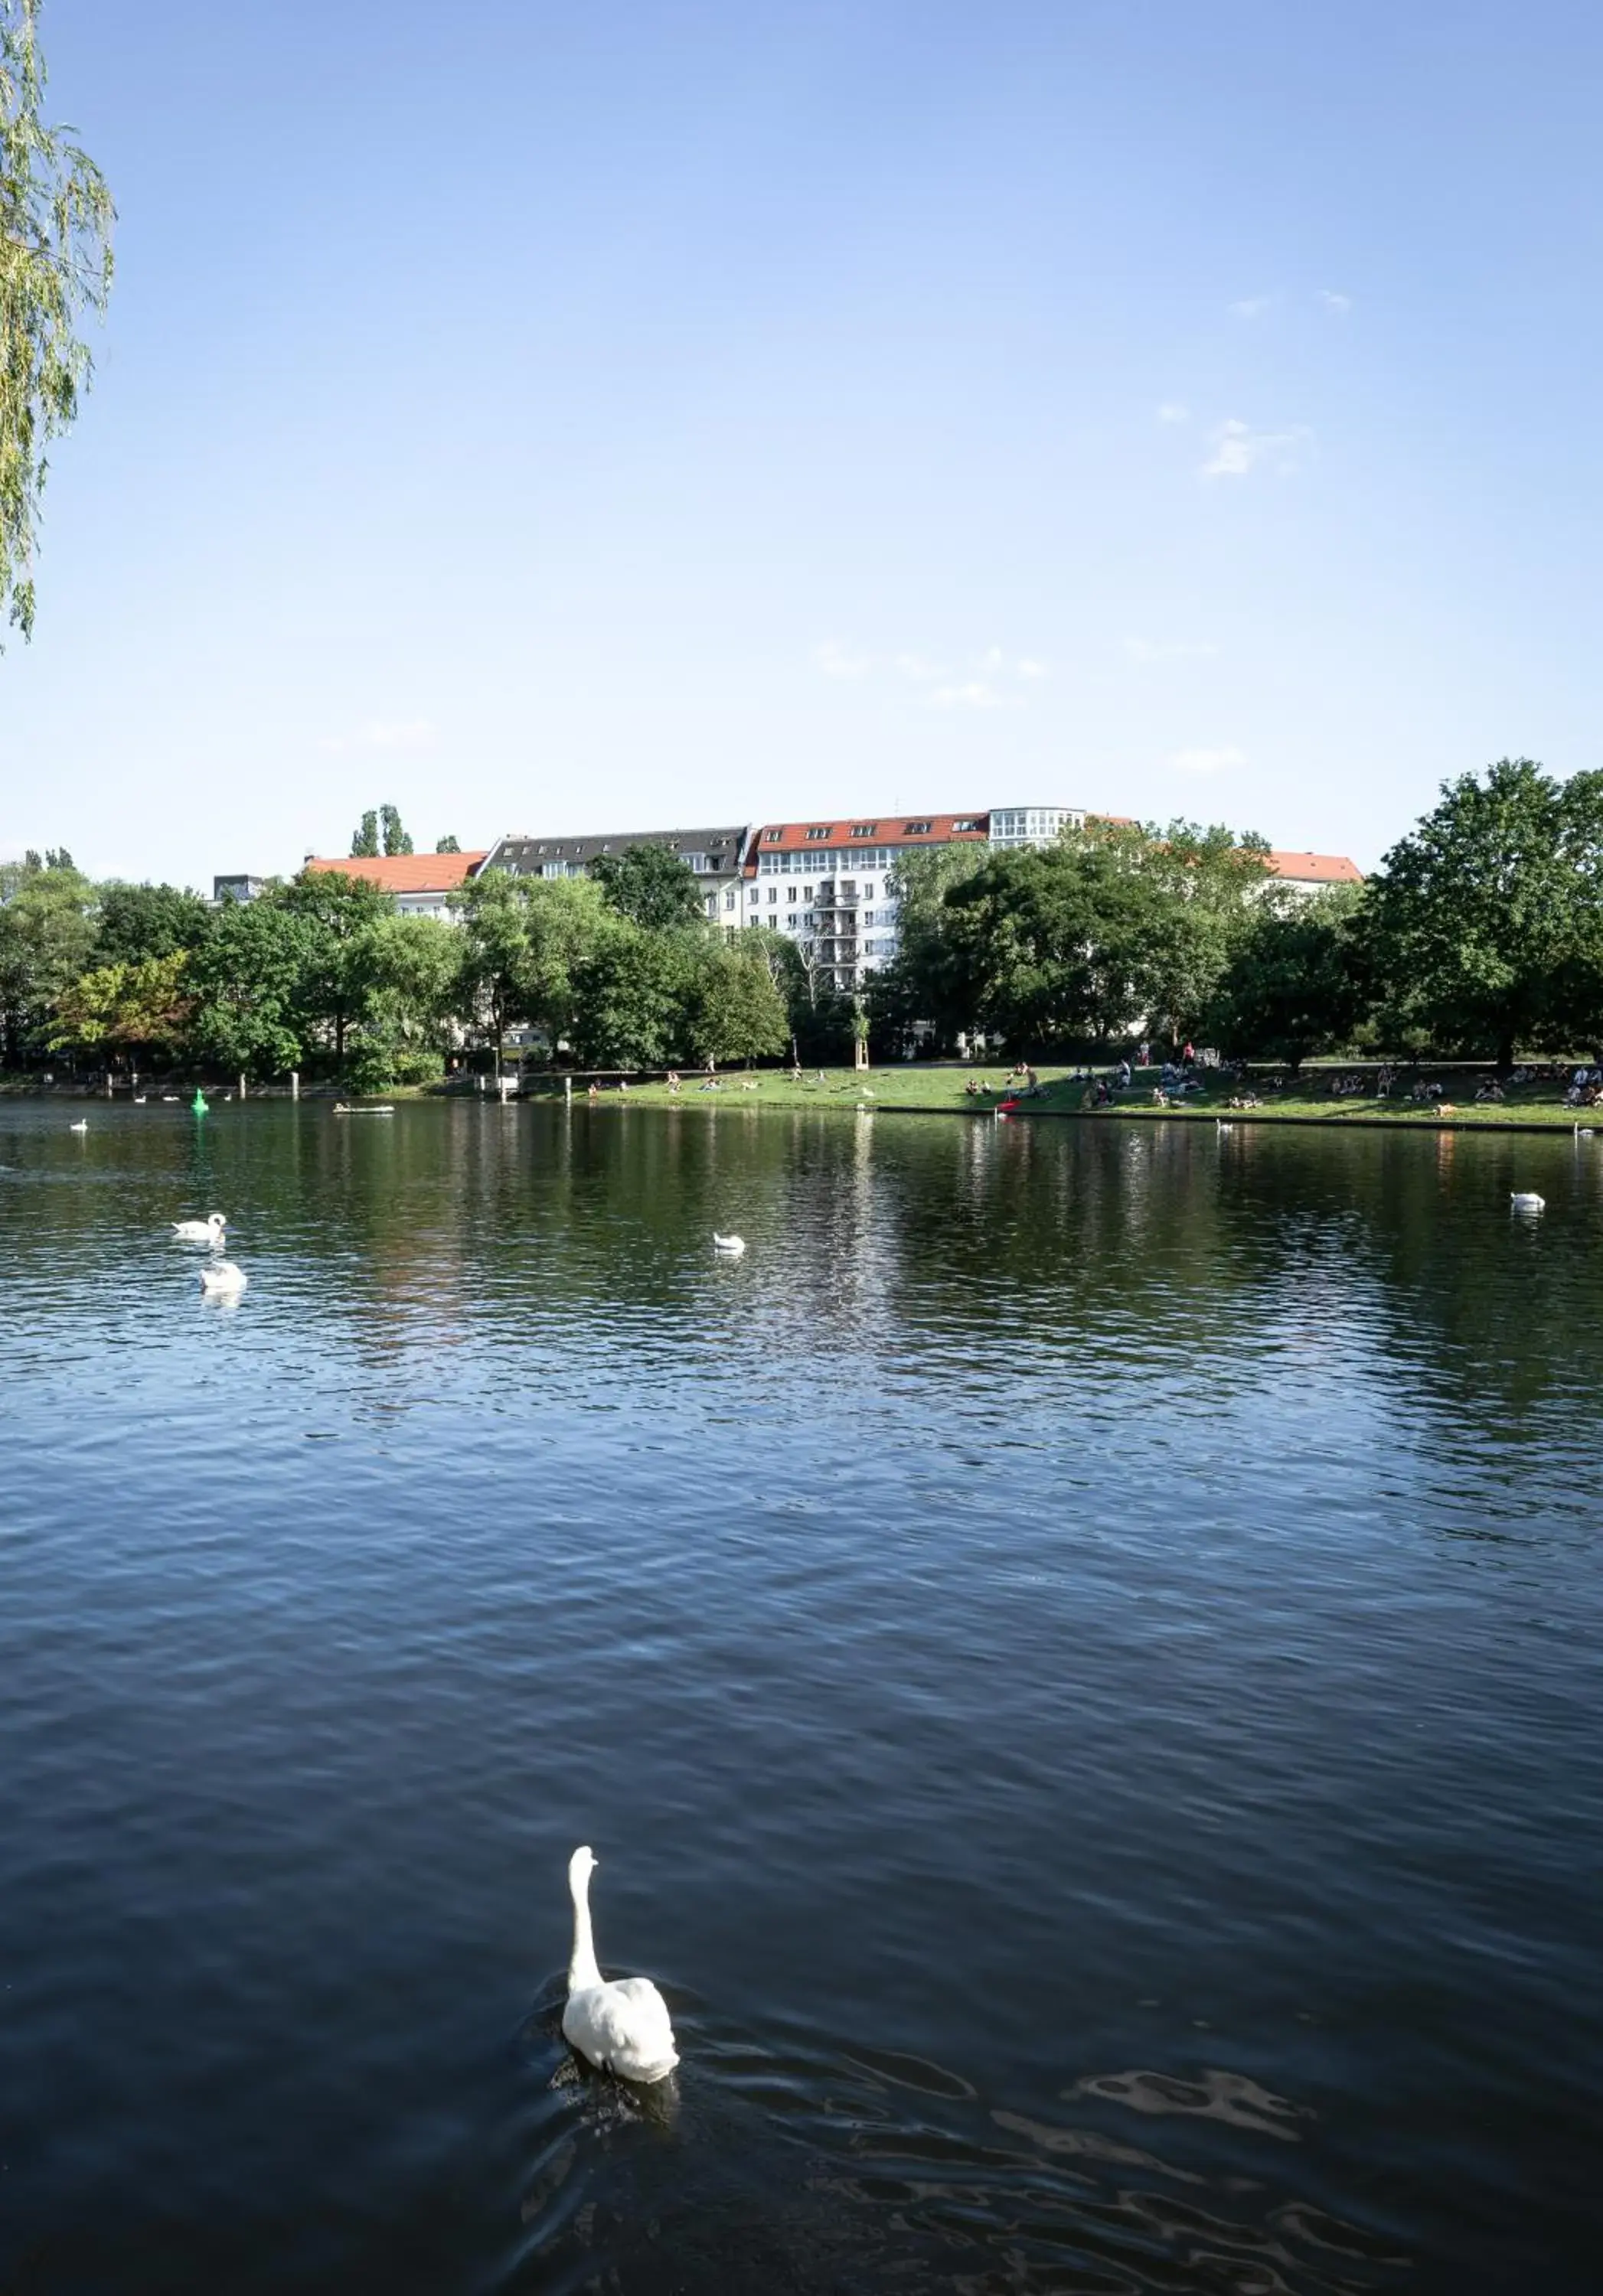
x=55 y=264
x=650 y=886
x=1485 y=923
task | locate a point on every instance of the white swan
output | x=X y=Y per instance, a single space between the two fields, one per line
x=223 y=1276
x=1525 y=1199
x=207 y=1231
x=81 y=1126
x=731 y=1246
x=622 y=2026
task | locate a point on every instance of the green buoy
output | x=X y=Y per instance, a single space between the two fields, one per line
x=199 y=1105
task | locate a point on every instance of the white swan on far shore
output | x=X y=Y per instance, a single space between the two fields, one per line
x=224 y=1277
x=621 y=2026
x=207 y=1231
x=1526 y=1199
x=731 y=1246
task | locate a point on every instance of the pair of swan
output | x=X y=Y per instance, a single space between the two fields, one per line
x=620 y=2024
x=207 y=1231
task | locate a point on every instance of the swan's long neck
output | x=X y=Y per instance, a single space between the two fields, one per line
x=582 y=1968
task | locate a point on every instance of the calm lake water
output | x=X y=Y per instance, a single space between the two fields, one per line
x=1079 y=1657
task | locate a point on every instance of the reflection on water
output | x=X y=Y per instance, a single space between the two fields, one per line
x=1078 y=1653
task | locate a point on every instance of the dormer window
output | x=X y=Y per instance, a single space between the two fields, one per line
x=772 y=836
x=917 y=829
x=817 y=836
x=865 y=828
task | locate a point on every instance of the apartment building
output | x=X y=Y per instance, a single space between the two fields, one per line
x=714 y=856
x=827 y=883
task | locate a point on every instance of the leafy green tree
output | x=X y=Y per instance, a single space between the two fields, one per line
x=735 y=1010
x=919 y=985
x=47 y=934
x=632 y=991
x=652 y=887
x=365 y=842
x=128 y=1006
x=55 y=262
x=1044 y=947
x=396 y=839
x=340 y=977
x=138 y=922
x=247 y=979
x=447 y=845
x=494 y=988
x=1208 y=888
x=1297 y=983
x=819 y=1015
x=1485 y=923
x=565 y=921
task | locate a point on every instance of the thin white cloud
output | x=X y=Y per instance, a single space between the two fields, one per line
x=1238 y=448
x=916 y=666
x=383 y=734
x=1153 y=650
x=838 y=660
x=1205 y=761
x=1338 y=305
x=1028 y=669
x=1250 y=306
x=1174 y=410
x=976 y=695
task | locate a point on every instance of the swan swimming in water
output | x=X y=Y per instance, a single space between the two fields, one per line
x=207 y=1231
x=224 y=1277
x=81 y=1126
x=1526 y=1199
x=731 y=1246
x=621 y=2026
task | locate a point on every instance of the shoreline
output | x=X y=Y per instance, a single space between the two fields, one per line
x=874 y=1093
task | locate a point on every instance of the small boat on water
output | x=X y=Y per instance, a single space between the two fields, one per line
x=383 y=1109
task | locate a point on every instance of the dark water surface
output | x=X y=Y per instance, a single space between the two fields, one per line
x=1079 y=1656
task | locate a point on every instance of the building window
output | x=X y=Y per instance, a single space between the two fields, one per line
x=729 y=898
x=867 y=892
x=864 y=828
x=773 y=892
x=959 y=826
x=791 y=891
x=817 y=836
x=917 y=829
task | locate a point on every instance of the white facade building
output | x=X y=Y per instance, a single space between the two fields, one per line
x=829 y=883
x=1033 y=825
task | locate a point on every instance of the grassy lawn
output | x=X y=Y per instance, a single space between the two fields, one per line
x=941 y=1089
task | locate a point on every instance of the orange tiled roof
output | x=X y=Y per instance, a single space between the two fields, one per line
x=1316 y=868
x=407 y=872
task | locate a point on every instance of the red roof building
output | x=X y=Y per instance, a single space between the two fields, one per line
x=421 y=882
x=1313 y=872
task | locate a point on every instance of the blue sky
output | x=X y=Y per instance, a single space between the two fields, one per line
x=555 y=417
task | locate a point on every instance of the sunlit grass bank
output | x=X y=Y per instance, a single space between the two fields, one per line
x=954 y=1089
